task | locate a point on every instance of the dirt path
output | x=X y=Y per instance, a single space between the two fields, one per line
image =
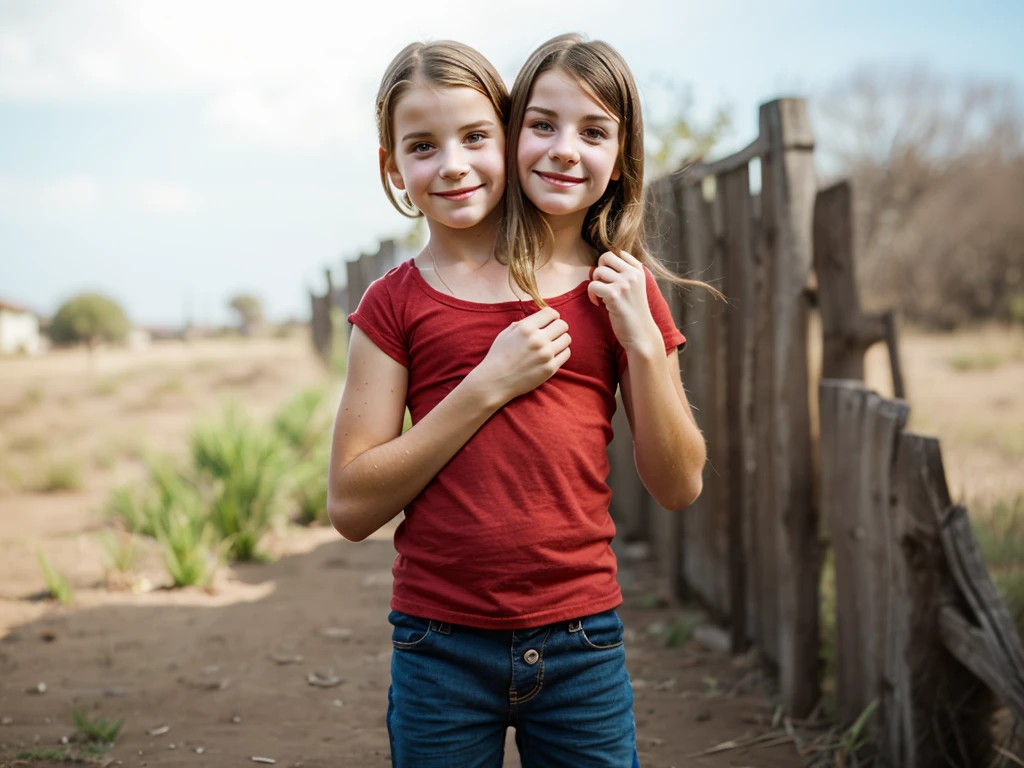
x=213 y=669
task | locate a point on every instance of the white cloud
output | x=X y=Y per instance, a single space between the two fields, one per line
x=61 y=194
x=166 y=197
x=299 y=76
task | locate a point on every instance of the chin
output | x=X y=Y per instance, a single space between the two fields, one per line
x=462 y=219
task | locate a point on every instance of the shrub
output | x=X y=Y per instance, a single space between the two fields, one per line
x=89 y=318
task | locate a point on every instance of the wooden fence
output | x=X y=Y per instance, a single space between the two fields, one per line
x=919 y=627
x=359 y=273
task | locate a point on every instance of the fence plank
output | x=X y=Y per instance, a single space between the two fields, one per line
x=1001 y=641
x=766 y=524
x=843 y=404
x=700 y=555
x=937 y=709
x=788 y=193
x=738 y=286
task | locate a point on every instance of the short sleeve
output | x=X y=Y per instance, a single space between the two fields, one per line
x=376 y=316
x=662 y=317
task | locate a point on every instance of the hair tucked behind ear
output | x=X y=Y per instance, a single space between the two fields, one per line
x=616 y=221
x=446 y=64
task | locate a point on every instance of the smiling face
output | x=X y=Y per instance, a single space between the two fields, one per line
x=449 y=154
x=568 y=146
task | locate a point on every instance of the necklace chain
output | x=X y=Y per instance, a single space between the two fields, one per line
x=437 y=272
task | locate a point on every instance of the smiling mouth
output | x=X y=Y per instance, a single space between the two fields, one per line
x=458 y=194
x=559 y=179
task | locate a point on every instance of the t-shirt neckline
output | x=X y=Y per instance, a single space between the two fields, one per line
x=526 y=305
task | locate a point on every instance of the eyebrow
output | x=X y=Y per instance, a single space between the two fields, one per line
x=468 y=127
x=586 y=118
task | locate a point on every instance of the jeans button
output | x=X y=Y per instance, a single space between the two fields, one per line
x=531 y=656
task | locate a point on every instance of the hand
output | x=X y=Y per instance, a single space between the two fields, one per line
x=620 y=283
x=525 y=355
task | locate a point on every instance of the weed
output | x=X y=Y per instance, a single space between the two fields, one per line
x=56 y=584
x=61 y=475
x=106 y=387
x=98 y=729
x=680 y=633
x=247 y=466
x=302 y=422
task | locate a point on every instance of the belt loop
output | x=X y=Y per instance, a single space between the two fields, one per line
x=575 y=625
x=440 y=626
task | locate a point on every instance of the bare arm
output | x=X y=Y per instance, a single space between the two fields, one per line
x=668 y=447
x=375 y=470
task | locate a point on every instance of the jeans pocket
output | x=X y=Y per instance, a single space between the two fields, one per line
x=600 y=632
x=409 y=631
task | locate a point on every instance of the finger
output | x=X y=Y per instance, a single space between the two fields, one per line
x=542 y=318
x=597 y=292
x=609 y=259
x=562 y=356
x=559 y=344
x=606 y=274
x=556 y=329
x=630 y=259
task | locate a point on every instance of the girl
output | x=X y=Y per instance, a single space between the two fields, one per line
x=504 y=584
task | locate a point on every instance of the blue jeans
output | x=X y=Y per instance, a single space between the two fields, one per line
x=455 y=690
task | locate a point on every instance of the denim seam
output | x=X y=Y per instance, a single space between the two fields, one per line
x=535 y=691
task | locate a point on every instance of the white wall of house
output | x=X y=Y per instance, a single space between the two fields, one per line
x=19 y=332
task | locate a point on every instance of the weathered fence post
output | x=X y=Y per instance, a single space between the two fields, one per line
x=788 y=193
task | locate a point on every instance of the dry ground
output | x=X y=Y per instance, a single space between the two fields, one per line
x=209 y=666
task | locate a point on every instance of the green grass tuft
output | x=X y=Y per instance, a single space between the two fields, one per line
x=56 y=584
x=97 y=729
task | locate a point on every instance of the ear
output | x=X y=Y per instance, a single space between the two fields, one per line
x=387 y=165
x=616 y=174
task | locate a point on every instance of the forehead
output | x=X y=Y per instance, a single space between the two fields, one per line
x=427 y=107
x=559 y=91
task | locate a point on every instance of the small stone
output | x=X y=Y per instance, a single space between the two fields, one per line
x=236 y=719
x=338 y=703
x=63 y=739
x=200 y=750
x=172 y=746
x=159 y=731
x=267 y=760
x=6 y=720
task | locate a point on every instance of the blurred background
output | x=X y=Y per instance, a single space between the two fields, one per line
x=176 y=178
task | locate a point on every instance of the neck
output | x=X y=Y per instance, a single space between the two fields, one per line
x=568 y=245
x=473 y=244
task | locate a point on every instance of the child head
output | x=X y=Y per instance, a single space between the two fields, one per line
x=441 y=109
x=575 y=151
x=606 y=151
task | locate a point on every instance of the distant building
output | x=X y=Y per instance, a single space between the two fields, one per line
x=19 y=331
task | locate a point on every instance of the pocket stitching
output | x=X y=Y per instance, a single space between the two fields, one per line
x=590 y=644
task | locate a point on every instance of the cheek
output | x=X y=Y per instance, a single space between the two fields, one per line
x=527 y=153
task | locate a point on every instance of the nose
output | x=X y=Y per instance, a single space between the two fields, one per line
x=453 y=164
x=564 y=151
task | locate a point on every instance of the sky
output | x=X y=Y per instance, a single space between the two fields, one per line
x=174 y=154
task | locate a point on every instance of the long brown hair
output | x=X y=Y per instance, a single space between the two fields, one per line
x=616 y=221
x=444 y=63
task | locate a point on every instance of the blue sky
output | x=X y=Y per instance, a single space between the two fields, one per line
x=175 y=154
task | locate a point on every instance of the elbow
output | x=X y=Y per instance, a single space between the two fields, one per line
x=344 y=521
x=683 y=494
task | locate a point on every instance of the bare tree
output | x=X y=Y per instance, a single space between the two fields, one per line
x=934 y=162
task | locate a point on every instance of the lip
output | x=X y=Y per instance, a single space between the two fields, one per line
x=559 y=180
x=458 y=194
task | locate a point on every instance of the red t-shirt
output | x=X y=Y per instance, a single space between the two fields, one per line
x=514 y=531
